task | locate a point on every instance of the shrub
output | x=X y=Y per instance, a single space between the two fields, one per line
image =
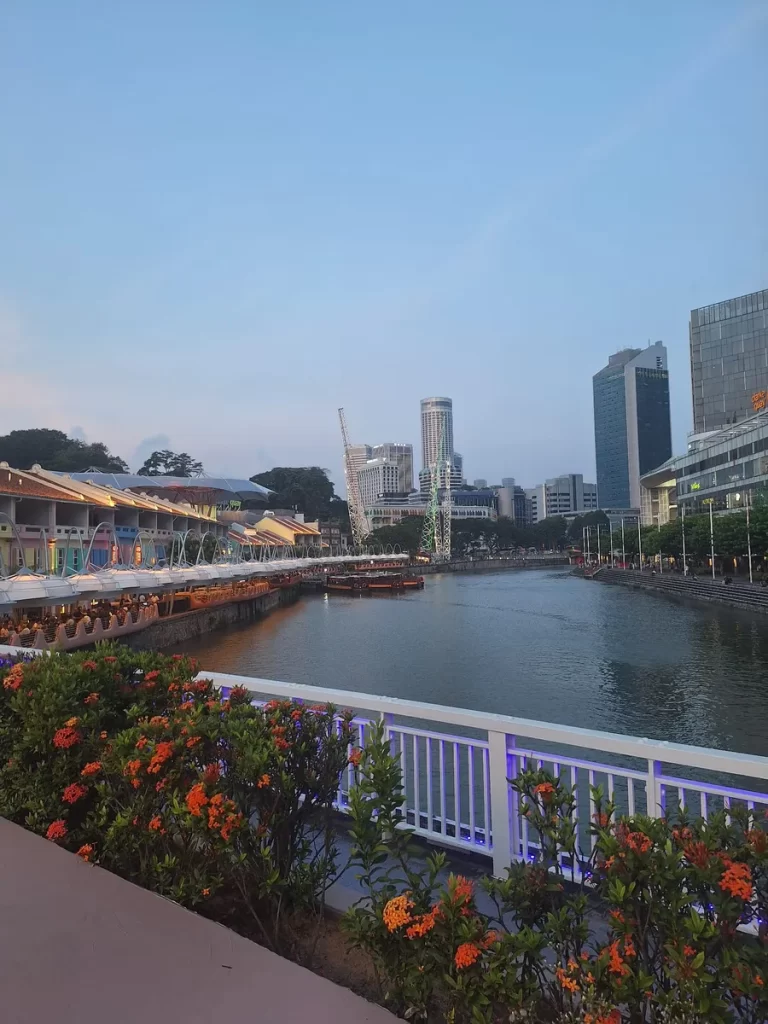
x=129 y=761
x=647 y=929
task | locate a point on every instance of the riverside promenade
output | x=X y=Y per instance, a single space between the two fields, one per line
x=80 y=946
x=739 y=594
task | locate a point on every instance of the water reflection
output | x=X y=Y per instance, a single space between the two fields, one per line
x=537 y=645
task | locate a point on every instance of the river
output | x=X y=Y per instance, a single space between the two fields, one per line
x=538 y=644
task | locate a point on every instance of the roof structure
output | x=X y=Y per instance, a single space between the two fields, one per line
x=19 y=484
x=289 y=524
x=100 y=494
x=198 y=489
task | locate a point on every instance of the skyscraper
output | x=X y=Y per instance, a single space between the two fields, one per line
x=400 y=455
x=632 y=425
x=436 y=422
x=437 y=425
x=729 y=360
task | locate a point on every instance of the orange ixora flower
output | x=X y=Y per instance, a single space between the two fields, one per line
x=193 y=741
x=545 y=790
x=73 y=792
x=737 y=880
x=205 y=892
x=103 y=734
x=56 y=830
x=355 y=757
x=263 y=781
x=615 y=964
x=141 y=742
x=92 y=768
x=397 y=913
x=85 y=851
x=212 y=773
x=132 y=768
x=163 y=751
x=156 y=823
x=14 y=679
x=65 y=738
x=566 y=982
x=196 y=800
x=92 y=698
x=91 y=666
x=72 y=722
x=466 y=955
x=422 y=925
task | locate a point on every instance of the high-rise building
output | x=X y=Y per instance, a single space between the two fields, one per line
x=377 y=478
x=568 y=494
x=536 y=497
x=437 y=427
x=522 y=507
x=480 y=483
x=729 y=361
x=402 y=456
x=359 y=455
x=506 y=500
x=508 y=481
x=632 y=425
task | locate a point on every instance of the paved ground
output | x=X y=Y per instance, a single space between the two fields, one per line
x=81 y=946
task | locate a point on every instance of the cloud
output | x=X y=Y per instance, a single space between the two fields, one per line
x=154 y=443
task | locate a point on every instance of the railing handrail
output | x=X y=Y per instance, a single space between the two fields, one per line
x=706 y=758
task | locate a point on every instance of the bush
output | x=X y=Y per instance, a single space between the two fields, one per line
x=128 y=761
x=650 y=934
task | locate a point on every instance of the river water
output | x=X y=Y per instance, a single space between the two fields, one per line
x=540 y=645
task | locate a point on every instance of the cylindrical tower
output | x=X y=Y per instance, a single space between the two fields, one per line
x=436 y=421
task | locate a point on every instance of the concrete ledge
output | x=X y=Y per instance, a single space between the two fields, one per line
x=495 y=564
x=741 y=596
x=79 y=945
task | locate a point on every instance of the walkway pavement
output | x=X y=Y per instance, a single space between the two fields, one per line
x=79 y=945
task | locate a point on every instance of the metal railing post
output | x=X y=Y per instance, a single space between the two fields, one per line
x=502 y=817
x=655 y=790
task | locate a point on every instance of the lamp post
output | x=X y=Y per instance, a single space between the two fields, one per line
x=749 y=538
x=639 y=544
x=661 y=560
x=610 y=528
x=589 y=554
x=682 y=519
x=623 y=551
x=598 y=545
x=712 y=538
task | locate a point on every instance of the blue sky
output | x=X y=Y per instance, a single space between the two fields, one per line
x=219 y=222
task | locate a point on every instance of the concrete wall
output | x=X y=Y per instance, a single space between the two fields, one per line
x=179 y=628
x=743 y=596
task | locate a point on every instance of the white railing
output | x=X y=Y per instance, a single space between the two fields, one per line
x=456 y=785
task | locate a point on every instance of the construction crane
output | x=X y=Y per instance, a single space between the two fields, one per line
x=357 y=517
x=436 y=534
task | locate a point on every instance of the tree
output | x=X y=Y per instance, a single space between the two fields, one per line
x=406 y=533
x=52 y=449
x=165 y=463
x=593 y=519
x=307 y=489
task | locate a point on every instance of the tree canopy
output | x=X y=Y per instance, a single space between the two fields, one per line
x=165 y=463
x=307 y=489
x=475 y=535
x=53 y=449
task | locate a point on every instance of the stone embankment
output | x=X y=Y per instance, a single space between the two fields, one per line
x=496 y=564
x=742 y=595
x=177 y=629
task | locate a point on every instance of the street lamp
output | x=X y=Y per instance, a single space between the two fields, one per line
x=623 y=552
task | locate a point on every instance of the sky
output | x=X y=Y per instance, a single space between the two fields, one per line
x=221 y=222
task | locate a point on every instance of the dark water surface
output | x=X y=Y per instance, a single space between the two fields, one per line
x=539 y=645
